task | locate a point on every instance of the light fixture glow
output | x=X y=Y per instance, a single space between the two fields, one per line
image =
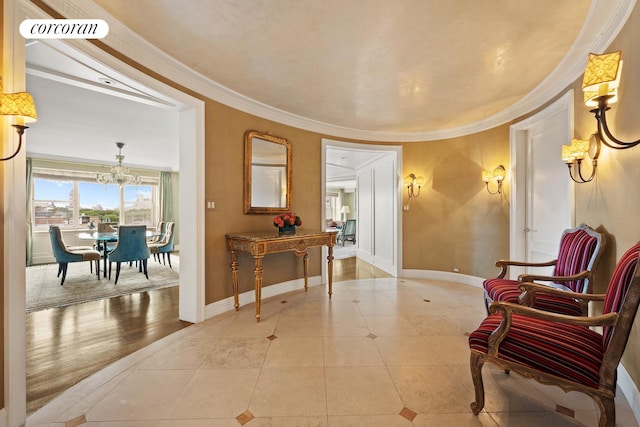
x=574 y=153
x=498 y=175
x=119 y=174
x=21 y=106
x=412 y=181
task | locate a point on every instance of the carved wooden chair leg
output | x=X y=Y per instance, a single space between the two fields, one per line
x=476 y=373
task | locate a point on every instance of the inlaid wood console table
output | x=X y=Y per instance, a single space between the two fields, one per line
x=259 y=244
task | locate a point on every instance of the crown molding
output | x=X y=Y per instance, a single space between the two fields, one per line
x=604 y=21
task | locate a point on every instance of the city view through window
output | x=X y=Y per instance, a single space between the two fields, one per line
x=75 y=203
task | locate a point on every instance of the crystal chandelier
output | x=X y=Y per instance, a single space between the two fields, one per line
x=119 y=174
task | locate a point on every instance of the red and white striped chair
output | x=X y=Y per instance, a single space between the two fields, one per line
x=562 y=350
x=580 y=251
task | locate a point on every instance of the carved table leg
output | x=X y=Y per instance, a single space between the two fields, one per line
x=258 y=283
x=330 y=269
x=305 y=260
x=234 y=279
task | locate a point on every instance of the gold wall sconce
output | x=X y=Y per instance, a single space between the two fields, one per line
x=600 y=86
x=21 y=106
x=412 y=181
x=497 y=175
x=574 y=153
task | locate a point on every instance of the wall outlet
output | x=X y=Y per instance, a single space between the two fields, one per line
x=211 y=205
x=405 y=207
x=456 y=270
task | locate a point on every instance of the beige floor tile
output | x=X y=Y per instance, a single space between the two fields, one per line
x=351 y=351
x=453 y=349
x=389 y=326
x=230 y=422
x=368 y=421
x=345 y=327
x=214 y=327
x=188 y=353
x=237 y=353
x=361 y=391
x=431 y=389
x=283 y=392
x=408 y=350
x=143 y=395
x=467 y=420
x=319 y=421
x=245 y=325
x=294 y=352
x=536 y=419
x=297 y=326
x=215 y=393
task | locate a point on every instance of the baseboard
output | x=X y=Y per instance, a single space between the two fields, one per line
x=630 y=391
x=3 y=417
x=249 y=297
x=443 y=275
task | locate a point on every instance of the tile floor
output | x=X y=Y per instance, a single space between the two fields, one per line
x=382 y=352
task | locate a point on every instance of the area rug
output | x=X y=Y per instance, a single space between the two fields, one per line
x=44 y=290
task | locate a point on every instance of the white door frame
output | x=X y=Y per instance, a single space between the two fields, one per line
x=394 y=150
x=519 y=137
x=191 y=221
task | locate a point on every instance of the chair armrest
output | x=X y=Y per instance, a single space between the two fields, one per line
x=507 y=309
x=530 y=290
x=505 y=263
x=531 y=277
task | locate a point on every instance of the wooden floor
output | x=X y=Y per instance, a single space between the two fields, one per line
x=68 y=344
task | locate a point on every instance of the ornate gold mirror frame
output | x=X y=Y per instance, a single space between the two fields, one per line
x=267 y=173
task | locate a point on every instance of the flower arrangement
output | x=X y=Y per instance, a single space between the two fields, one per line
x=286 y=219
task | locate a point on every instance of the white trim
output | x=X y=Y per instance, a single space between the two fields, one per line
x=602 y=24
x=14 y=186
x=3 y=417
x=465 y=279
x=630 y=391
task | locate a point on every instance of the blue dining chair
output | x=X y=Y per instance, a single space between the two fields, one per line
x=165 y=245
x=132 y=246
x=64 y=254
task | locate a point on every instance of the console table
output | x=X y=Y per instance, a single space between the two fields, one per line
x=259 y=244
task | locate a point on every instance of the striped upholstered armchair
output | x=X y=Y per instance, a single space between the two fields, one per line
x=562 y=350
x=580 y=251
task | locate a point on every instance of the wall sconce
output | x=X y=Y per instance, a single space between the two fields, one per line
x=600 y=86
x=412 y=181
x=497 y=175
x=20 y=105
x=574 y=153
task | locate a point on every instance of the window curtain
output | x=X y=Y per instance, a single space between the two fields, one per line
x=29 y=218
x=165 y=188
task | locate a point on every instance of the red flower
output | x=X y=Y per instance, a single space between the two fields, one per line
x=288 y=218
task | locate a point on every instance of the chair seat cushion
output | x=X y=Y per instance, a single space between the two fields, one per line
x=507 y=291
x=87 y=254
x=567 y=351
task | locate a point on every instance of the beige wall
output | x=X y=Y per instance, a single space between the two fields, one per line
x=611 y=200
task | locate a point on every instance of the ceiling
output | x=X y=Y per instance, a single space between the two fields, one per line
x=410 y=70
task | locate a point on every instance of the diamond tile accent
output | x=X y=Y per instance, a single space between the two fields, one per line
x=372 y=336
x=566 y=411
x=74 y=422
x=244 y=417
x=272 y=337
x=426 y=300
x=408 y=414
x=356 y=301
x=284 y=301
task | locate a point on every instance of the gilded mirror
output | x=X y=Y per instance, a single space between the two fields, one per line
x=267 y=173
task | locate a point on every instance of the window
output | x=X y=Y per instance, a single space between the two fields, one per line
x=73 y=198
x=331 y=210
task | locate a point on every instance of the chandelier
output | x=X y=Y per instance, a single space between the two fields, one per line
x=119 y=174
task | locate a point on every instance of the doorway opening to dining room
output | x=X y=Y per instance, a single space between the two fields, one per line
x=188 y=114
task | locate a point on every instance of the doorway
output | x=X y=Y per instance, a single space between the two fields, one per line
x=375 y=169
x=542 y=198
x=191 y=187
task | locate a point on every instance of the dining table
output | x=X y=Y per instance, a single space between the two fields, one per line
x=103 y=238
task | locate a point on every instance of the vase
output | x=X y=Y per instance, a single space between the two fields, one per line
x=287 y=229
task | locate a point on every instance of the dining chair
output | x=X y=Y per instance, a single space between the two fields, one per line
x=578 y=256
x=64 y=254
x=575 y=353
x=131 y=246
x=166 y=245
